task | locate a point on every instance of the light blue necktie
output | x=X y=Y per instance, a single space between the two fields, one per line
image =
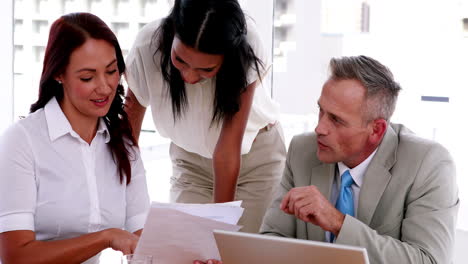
x=345 y=202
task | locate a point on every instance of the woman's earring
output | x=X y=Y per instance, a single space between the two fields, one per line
x=59 y=82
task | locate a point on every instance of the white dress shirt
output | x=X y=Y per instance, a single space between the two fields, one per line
x=54 y=183
x=194 y=131
x=357 y=173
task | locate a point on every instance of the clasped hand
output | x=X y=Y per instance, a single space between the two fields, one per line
x=309 y=205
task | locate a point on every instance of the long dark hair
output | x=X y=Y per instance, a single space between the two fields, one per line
x=213 y=27
x=67 y=34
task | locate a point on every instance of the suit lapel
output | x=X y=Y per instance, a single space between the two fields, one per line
x=321 y=177
x=377 y=176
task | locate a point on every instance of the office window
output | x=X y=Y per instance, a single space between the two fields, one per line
x=18 y=27
x=19 y=58
x=38 y=53
x=103 y=7
x=365 y=17
x=69 y=6
x=284 y=20
x=141 y=25
x=40 y=27
x=40 y=5
x=122 y=7
x=155 y=7
x=344 y=16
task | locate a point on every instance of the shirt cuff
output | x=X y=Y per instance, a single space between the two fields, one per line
x=17 y=221
x=136 y=222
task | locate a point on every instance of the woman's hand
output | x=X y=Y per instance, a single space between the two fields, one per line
x=21 y=246
x=121 y=240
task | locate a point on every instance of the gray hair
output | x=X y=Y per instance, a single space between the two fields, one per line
x=381 y=89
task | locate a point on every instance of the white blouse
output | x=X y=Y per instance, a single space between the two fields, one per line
x=54 y=183
x=194 y=131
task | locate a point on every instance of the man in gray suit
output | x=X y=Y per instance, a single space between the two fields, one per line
x=400 y=201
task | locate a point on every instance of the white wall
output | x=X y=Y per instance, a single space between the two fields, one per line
x=6 y=64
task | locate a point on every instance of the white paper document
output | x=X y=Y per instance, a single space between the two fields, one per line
x=180 y=233
x=224 y=212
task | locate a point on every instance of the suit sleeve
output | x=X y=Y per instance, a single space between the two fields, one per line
x=429 y=218
x=276 y=222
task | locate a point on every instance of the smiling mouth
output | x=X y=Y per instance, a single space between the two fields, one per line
x=100 y=102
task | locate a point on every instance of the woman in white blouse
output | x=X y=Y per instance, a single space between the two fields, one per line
x=200 y=69
x=72 y=182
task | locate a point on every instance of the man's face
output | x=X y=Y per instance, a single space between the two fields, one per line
x=342 y=132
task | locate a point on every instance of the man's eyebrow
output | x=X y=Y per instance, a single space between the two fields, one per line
x=333 y=114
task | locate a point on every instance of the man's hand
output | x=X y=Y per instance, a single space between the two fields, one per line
x=309 y=205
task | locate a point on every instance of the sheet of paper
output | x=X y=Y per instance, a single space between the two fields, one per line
x=173 y=236
x=224 y=212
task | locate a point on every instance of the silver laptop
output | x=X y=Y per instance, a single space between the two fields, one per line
x=237 y=247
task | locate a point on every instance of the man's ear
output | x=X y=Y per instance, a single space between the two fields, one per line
x=379 y=126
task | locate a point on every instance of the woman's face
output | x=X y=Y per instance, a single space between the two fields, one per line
x=90 y=80
x=192 y=64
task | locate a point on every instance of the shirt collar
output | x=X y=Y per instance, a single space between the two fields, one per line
x=102 y=129
x=58 y=124
x=357 y=173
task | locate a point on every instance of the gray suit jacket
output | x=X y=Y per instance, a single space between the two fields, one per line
x=408 y=202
